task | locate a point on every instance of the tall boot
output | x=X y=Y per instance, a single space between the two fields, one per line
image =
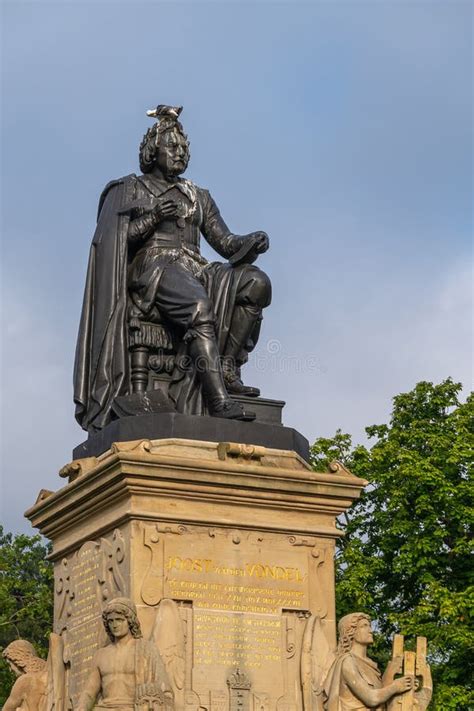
x=204 y=352
x=245 y=321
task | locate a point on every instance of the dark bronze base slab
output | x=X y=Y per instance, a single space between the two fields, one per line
x=157 y=401
x=212 y=429
x=147 y=403
x=266 y=411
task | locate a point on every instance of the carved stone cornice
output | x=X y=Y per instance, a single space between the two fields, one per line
x=150 y=479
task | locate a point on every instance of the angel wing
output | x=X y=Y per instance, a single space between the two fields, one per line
x=316 y=659
x=168 y=635
x=55 y=689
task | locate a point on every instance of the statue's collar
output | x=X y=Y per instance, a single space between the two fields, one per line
x=156 y=186
x=159 y=185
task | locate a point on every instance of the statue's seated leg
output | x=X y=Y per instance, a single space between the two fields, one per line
x=183 y=300
x=253 y=295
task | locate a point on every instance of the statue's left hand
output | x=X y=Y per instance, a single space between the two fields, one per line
x=394 y=667
x=262 y=242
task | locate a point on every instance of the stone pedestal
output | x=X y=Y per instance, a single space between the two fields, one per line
x=173 y=425
x=226 y=549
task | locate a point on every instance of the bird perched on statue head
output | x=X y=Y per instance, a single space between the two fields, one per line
x=163 y=111
x=166 y=120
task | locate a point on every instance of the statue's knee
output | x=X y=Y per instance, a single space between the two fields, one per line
x=202 y=322
x=259 y=288
x=204 y=312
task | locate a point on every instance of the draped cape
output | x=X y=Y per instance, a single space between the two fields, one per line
x=101 y=367
x=366 y=668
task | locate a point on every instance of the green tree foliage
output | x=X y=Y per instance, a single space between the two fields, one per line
x=26 y=597
x=405 y=559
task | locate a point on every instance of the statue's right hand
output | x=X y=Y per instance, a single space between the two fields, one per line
x=165 y=208
x=405 y=683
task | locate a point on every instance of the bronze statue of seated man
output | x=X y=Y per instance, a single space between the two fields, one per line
x=145 y=266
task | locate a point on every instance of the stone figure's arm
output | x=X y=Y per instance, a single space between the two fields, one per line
x=219 y=235
x=369 y=696
x=17 y=694
x=91 y=692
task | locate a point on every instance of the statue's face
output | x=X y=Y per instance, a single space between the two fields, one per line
x=118 y=625
x=173 y=156
x=364 y=633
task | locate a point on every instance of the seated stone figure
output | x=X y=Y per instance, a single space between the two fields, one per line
x=146 y=273
x=128 y=674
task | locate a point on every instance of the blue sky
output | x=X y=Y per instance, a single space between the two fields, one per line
x=344 y=129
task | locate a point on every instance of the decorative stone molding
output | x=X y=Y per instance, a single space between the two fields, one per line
x=152 y=585
x=43 y=495
x=141 y=445
x=337 y=467
x=77 y=468
x=238 y=451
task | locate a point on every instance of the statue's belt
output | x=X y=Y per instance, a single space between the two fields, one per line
x=165 y=241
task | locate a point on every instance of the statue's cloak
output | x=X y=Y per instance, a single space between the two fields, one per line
x=101 y=367
x=367 y=669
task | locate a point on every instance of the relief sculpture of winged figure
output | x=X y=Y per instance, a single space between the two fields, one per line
x=346 y=679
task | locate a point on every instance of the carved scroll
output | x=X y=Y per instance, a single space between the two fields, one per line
x=152 y=586
x=319 y=594
x=78 y=467
x=113 y=554
x=64 y=596
x=242 y=452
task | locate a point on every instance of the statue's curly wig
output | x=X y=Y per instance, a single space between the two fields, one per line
x=24 y=656
x=151 y=141
x=122 y=606
x=347 y=628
